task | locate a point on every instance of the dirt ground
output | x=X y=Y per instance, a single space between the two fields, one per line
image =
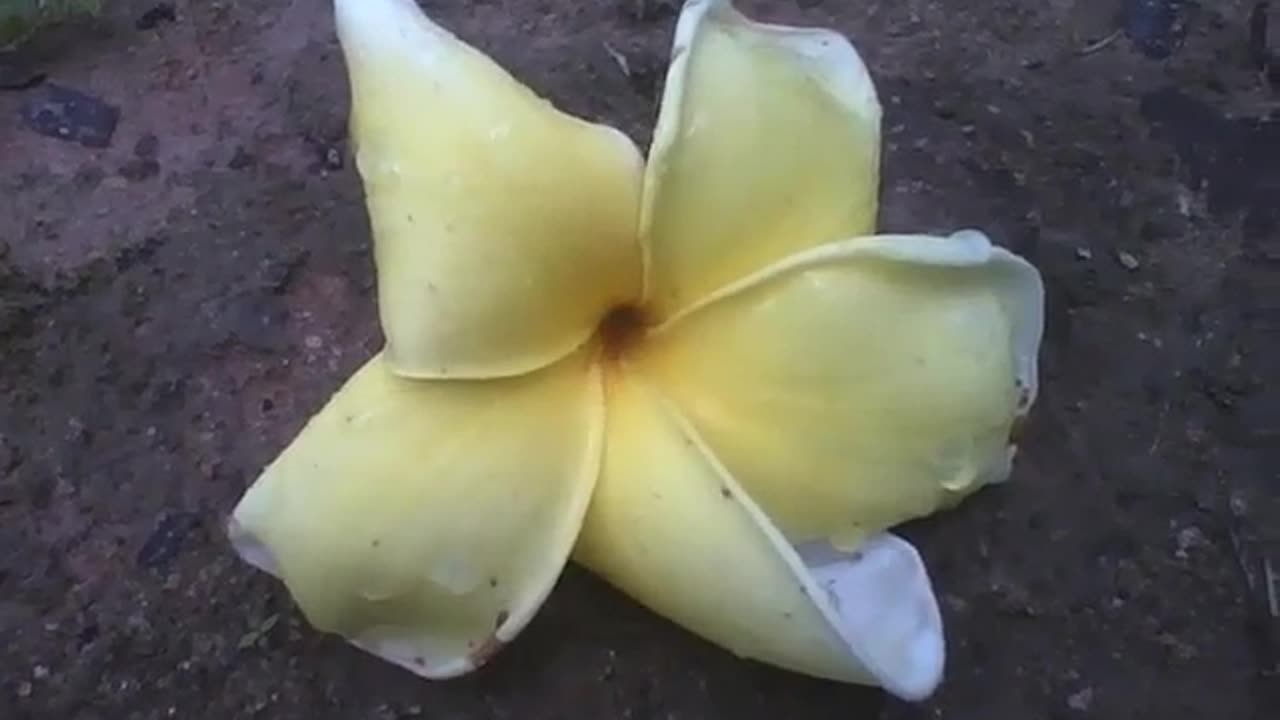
x=177 y=295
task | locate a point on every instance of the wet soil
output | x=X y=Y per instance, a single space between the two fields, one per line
x=175 y=301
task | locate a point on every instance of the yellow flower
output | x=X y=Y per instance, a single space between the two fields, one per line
x=702 y=376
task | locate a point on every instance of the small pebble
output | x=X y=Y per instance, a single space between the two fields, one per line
x=1189 y=538
x=333 y=159
x=1081 y=701
x=1127 y=260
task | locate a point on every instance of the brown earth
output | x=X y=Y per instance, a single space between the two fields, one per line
x=174 y=305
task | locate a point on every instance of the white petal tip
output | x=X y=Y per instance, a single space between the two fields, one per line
x=826 y=53
x=385 y=644
x=972 y=236
x=375 y=15
x=250 y=549
x=882 y=604
x=372 y=25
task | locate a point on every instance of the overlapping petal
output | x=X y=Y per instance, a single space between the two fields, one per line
x=862 y=383
x=768 y=142
x=671 y=527
x=426 y=521
x=503 y=228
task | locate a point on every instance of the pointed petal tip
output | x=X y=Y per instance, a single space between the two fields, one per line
x=881 y=603
x=723 y=197
x=409 y=655
x=378 y=20
x=460 y=162
x=391 y=31
x=828 y=55
x=866 y=615
x=919 y=677
x=247 y=545
x=419 y=573
x=399 y=647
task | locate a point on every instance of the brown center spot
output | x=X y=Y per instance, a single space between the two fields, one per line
x=622 y=328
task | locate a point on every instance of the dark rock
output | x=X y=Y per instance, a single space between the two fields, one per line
x=166 y=540
x=17 y=76
x=1236 y=160
x=88 y=177
x=159 y=13
x=147 y=146
x=66 y=114
x=9 y=455
x=650 y=10
x=1261 y=55
x=88 y=634
x=139 y=169
x=1259 y=51
x=1156 y=27
x=240 y=160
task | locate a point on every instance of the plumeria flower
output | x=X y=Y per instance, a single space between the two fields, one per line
x=703 y=377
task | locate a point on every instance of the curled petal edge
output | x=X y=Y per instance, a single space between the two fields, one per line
x=407 y=515
x=866 y=615
x=1023 y=302
x=484 y=200
x=816 y=59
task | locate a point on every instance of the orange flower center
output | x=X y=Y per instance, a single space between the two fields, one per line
x=621 y=329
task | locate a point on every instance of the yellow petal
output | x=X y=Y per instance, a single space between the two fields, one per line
x=768 y=142
x=427 y=521
x=863 y=383
x=671 y=527
x=503 y=229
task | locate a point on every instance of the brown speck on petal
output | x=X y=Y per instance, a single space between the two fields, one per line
x=1024 y=396
x=483 y=654
x=1016 y=429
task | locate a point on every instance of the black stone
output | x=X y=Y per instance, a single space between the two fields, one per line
x=166 y=540
x=159 y=13
x=66 y=114
x=1156 y=27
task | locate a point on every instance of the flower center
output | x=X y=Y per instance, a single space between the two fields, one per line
x=622 y=328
